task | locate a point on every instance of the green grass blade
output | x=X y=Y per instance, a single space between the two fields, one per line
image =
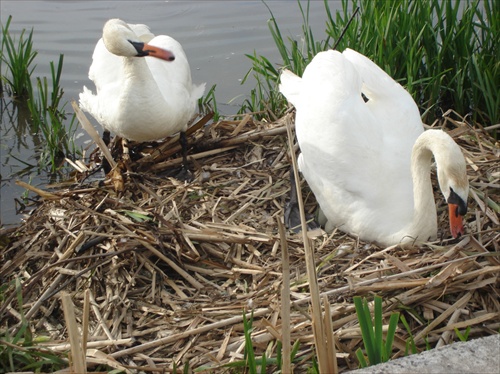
x=366 y=326
x=263 y=363
x=295 y=349
x=361 y=358
x=249 y=350
x=410 y=342
x=378 y=322
x=391 y=333
x=463 y=337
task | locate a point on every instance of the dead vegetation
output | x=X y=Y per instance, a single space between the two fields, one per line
x=164 y=270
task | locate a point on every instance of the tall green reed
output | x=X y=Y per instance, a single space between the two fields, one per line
x=265 y=98
x=49 y=117
x=445 y=53
x=430 y=48
x=18 y=58
x=44 y=101
x=208 y=103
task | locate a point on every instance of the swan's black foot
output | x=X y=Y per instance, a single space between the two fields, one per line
x=106 y=137
x=184 y=174
x=292 y=218
x=292 y=212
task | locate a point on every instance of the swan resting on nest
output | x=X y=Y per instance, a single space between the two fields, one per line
x=368 y=159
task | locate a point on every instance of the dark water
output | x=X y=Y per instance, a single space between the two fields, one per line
x=215 y=35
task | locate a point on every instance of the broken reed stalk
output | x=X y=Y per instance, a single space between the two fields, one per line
x=285 y=301
x=85 y=320
x=77 y=352
x=329 y=337
x=318 y=325
x=87 y=126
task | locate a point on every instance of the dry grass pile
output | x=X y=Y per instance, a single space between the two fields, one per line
x=168 y=268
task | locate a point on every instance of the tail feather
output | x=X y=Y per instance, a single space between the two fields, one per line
x=88 y=102
x=198 y=91
x=290 y=86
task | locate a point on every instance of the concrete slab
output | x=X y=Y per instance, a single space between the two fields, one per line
x=475 y=356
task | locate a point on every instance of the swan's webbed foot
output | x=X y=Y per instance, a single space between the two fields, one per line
x=106 y=137
x=184 y=174
x=292 y=218
x=292 y=212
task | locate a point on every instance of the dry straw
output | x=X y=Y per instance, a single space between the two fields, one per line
x=168 y=268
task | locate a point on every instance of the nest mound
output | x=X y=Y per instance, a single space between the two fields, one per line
x=168 y=269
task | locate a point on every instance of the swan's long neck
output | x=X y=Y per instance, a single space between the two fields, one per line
x=451 y=171
x=139 y=83
x=139 y=91
x=136 y=70
x=424 y=214
x=431 y=143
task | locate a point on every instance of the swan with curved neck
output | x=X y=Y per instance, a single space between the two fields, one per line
x=143 y=83
x=365 y=155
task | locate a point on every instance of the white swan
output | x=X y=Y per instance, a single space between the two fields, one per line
x=368 y=163
x=138 y=98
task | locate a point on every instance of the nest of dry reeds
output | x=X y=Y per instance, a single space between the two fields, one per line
x=160 y=272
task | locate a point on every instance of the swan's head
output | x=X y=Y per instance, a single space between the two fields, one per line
x=452 y=177
x=121 y=40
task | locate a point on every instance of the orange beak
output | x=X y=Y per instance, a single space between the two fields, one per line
x=162 y=54
x=456 y=222
x=144 y=49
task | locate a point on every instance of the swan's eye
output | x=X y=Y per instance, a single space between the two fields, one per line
x=459 y=202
